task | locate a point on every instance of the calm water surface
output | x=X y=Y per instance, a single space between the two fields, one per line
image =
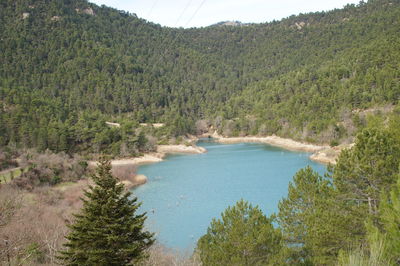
x=185 y=192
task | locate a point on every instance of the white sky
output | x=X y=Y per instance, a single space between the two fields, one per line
x=182 y=13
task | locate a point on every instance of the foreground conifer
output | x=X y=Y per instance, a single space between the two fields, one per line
x=243 y=236
x=107 y=231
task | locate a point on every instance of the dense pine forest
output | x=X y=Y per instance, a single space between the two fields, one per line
x=78 y=80
x=67 y=67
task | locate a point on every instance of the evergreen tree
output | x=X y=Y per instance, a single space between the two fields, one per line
x=383 y=245
x=107 y=231
x=141 y=141
x=298 y=213
x=315 y=225
x=359 y=177
x=389 y=214
x=243 y=236
x=338 y=61
x=368 y=168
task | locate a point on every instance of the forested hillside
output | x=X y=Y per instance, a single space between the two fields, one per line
x=69 y=66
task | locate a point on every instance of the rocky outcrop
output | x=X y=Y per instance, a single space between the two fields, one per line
x=111 y=124
x=88 y=11
x=55 y=18
x=155 y=125
x=300 y=25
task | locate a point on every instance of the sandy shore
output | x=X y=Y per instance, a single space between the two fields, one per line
x=145 y=159
x=287 y=144
x=154 y=157
x=180 y=149
x=321 y=153
x=162 y=151
x=326 y=156
x=330 y=154
x=137 y=181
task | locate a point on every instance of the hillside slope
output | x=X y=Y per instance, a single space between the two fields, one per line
x=65 y=64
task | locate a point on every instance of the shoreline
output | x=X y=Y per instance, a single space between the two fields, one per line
x=324 y=154
x=153 y=157
x=287 y=144
x=159 y=155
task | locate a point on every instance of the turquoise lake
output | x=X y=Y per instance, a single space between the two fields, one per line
x=184 y=192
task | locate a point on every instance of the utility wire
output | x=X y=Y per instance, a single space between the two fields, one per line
x=191 y=18
x=183 y=11
x=152 y=8
x=195 y=13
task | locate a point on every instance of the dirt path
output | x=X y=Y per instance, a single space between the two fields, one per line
x=4 y=172
x=5 y=175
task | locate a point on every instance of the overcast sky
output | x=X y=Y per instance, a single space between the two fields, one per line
x=199 y=13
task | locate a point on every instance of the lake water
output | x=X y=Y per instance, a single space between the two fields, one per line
x=185 y=192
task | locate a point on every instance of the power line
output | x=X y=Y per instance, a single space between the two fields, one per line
x=183 y=11
x=195 y=13
x=152 y=8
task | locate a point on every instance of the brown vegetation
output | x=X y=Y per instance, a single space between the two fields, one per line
x=124 y=172
x=49 y=169
x=34 y=226
x=160 y=256
x=33 y=214
x=37 y=206
x=33 y=222
x=7 y=160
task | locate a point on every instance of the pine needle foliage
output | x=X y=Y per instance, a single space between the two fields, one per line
x=107 y=231
x=242 y=236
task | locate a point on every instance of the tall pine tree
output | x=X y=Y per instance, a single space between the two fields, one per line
x=107 y=231
x=372 y=165
x=243 y=236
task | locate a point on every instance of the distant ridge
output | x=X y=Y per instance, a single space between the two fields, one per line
x=231 y=23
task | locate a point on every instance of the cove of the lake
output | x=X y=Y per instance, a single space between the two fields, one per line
x=184 y=192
